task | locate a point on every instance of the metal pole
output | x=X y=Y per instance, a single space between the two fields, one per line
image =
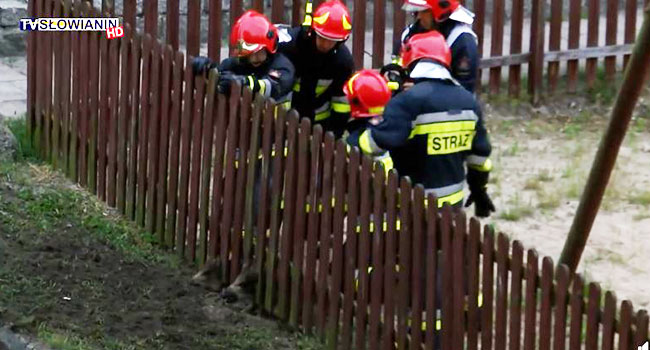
x=633 y=82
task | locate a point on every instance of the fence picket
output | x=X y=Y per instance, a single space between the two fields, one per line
x=277 y=11
x=554 y=43
x=487 y=289
x=235 y=12
x=608 y=321
x=65 y=92
x=214 y=30
x=630 y=26
x=531 y=300
x=73 y=163
x=172 y=25
x=514 y=74
x=275 y=211
x=56 y=102
x=47 y=76
x=479 y=29
x=206 y=165
x=154 y=140
x=134 y=128
x=325 y=231
x=390 y=278
x=517 y=270
x=498 y=7
x=574 y=42
x=459 y=281
x=215 y=241
x=244 y=140
x=340 y=171
x=312 y=233
x=143 y=123
x=417 y=273
x=404 y=264
x=93 y=113
x=263 y=200
x=150 y=8
x=193 y=39
x=113 y=49
x=288 y=216
x=378 y=34
x=561 y=303
x=501 y=323
x=377 y=254
x=545 y=316
x=32 y=70
x=624 y=325
x=577 y=310
x=592 y=40
x=350 y=248
x=473 y=244
x=641 y=328
x=185 y=144
x=593 y=310
x=358 y=32
x=166 y=110
x=123 y=125
x=611 y=25
x=361 y=314
x=198 y=131
x=298 y=252
x=128 y=14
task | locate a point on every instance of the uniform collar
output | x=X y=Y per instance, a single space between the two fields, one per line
x=431 y=70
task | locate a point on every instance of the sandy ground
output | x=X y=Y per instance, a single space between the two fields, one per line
x=541 y=166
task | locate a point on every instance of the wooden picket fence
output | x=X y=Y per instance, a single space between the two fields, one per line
x=209 y=176
x=535 y=42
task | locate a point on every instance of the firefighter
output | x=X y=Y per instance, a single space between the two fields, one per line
x=323 y=64
x=454 y=21
x=434 y=129
x=256 y=63
x=367 y=92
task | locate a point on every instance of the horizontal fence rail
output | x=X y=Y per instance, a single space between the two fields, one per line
x=342 y=249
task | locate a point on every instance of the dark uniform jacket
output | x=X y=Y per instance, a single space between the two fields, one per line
x=276 y=75
x=318 y=89
x=464 y=49
x=431 y=131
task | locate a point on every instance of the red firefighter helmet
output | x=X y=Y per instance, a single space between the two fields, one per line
x=331 y=20
x=368 y=93
x=441 y=9
x=431 y=45
x=253 y=32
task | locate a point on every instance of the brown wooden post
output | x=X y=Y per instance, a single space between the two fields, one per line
x=172 y=26
x=574 y=41
x=554 y=43
x=214 y=30
x=610 y=37
x=497 y=43
x=514 y=76
x=378 y=33
x=194 y=27
x=630 y=26
x=359 y=32
x=633 y=82
x=151 y=17
x=592 y=40
x=536 y=64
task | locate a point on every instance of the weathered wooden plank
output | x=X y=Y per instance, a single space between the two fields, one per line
x=359 y=30
x=459 y=281
x=625 y=340
x=377 y=254
x=154 y=140
x=214 y=30
x=298 y=251
x=143 y=136
x=610 y=37
x=123 y=125
x=388 y=338
x=172 y=24
x=575 y=332
x=404 y=263
x=473 y=321
x=593 y=310
x=514 y=75
x=312 y=232
x=554 y=43
x=608 y=321
x=215 y=242
x=487 y=288
x=561 y=304
x=501 y=324
x=536 y=64
x=378 y=34
x=350 y=248
x=516 y=268
x=151 y=17
x=417 y=272
x=195 y=169
x=193 y=40
x=498 y=7
x=630 y=27
x=93 y=96
x=134 y=128
x=129 y=15
x=592 y=40
x=361 y=315
x=111 y=168
x=545 y=314
x=479 y=29
x=530 y=319
x=574 y=41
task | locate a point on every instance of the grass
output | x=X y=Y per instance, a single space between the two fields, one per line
x=640 y=198
x=517 y=211
x=548 y=199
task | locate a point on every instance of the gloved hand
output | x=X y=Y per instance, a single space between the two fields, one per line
x=395 y=74
x=201 y=64
x=226 y=79
x=483 y=203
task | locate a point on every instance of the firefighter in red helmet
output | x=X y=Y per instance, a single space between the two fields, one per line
x=256 y=63
x=435 y=129
x=367 y=92
x=454 y=21
x=323 y=64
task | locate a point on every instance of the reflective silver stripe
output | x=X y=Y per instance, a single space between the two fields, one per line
x=437 y=117
x=267 y=87
x=476 y=160
x=322 y=108
x=444 y=191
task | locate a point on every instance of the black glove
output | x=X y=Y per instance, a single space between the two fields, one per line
x=484 y=205
x=395 y=74
x=201 y=64
x=477 y=181
x=226 y=79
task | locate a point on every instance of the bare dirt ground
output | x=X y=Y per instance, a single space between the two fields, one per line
x=542 y=158
x=76 y=276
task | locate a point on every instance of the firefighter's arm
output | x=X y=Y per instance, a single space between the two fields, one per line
x=465 y=60
x=278 y=82
x=393 y=131
x=340 y=106
x=479 y=166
